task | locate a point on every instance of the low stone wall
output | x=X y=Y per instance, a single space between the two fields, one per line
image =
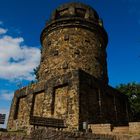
x=13 y=135
x=47 y=134
x=100 y=128
x=134 y=127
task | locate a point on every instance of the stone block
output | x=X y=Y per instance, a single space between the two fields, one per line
x=100 y=128
x=134 y=127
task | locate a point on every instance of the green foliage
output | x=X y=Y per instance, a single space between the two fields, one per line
x=132 y=90
x=36 y=72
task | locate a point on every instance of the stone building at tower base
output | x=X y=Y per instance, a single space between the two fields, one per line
x=74 y=97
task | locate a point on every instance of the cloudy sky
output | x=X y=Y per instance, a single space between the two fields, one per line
x=21 y=22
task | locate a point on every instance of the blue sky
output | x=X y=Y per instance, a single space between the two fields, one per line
x=21 y=22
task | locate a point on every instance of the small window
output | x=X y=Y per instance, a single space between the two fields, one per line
x=66 y=37
x=53 y=52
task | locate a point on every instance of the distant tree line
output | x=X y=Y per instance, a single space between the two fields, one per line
x=132 y=90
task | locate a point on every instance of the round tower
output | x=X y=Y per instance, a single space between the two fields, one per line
x=74 y=38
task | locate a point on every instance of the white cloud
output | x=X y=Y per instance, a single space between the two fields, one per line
x=17 y=61
x=3 y=31
x=6 y=95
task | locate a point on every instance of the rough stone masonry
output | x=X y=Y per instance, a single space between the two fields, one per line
x=72 y=85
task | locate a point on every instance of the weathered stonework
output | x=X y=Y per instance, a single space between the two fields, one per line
x=83 y=51
x=72 y=85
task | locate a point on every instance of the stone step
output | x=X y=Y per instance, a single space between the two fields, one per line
x=123 y=129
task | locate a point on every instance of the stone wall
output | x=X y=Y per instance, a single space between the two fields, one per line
x=20 y=110
x=134 y=127
x=75 y=97
x=101 y=104
x=101 y=128
x=55 y=98
x=41 y=134
x=38 y=104
x=70 y=49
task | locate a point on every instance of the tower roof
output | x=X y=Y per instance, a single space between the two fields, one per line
x=75 y=9
x=77 y=15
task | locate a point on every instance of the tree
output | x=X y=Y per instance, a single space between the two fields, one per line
x=36 y=72
x=132 y=90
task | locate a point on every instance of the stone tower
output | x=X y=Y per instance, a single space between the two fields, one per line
x=72 y=85
x=74 y=38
